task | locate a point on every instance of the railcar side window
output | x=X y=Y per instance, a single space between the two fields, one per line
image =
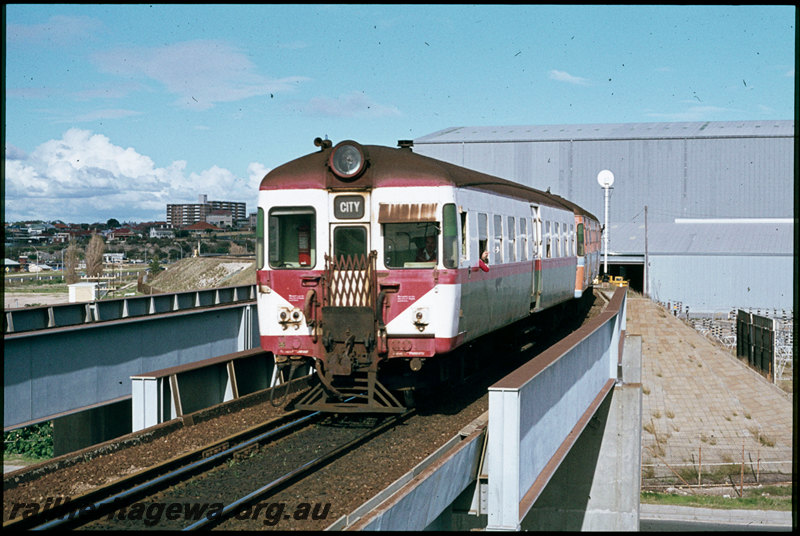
x=404 y=244
x=547 y=240
x=572 y=239
x=512 y=240
x=498 y=238
x=260 y=239
x=557 y=234
x=464 y=239
x=580 y=240
x=292 y=237
x=483 y=234
x=523 y=237
x=558 y=240
x=450 y=236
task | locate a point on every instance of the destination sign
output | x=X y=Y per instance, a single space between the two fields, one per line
x=348 y=207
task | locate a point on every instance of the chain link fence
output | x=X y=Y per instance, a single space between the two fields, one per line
x=746 y=459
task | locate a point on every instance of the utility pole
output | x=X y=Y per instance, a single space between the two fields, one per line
x=646 y=259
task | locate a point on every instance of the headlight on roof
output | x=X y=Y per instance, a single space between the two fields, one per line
x=348 y=160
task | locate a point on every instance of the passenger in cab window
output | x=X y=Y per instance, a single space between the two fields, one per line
x=427 y=253
x=483 y=262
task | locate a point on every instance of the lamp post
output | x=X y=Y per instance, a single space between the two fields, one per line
x=605 y=179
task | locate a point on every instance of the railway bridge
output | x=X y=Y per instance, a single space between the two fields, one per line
x=73 y=363
x=560 y=447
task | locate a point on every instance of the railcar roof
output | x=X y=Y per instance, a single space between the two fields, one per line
x=390 y=167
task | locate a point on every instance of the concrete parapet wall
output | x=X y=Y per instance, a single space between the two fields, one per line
x=538 y=412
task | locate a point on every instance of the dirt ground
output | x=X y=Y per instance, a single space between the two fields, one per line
x=12 y=300
x=205 y=272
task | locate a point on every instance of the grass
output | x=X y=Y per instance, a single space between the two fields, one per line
x=20 y=459
x=763 y=498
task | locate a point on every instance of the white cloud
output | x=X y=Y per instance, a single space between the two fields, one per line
x=59 y=30
x=84 y=177
x=109 y=91
x=202 y=73
x=14 y=153
x=693 y=113
x=99 y=115
x=256 y=172
x=563 y=76
x=354 y=104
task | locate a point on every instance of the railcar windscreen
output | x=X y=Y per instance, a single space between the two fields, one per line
x=410 y=245
x=292 y=237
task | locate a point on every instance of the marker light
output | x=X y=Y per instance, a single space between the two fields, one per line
x=348 y=160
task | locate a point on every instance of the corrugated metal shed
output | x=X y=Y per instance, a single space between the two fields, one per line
x=740 y=169
x=733 y=172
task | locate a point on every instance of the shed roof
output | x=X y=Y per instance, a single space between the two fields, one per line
x=619 y=131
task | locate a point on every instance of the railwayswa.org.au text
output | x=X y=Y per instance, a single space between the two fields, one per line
x=151 y=514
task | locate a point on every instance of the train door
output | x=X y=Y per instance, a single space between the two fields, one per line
x=536 y=231
x=349 y=264
x=349 y=229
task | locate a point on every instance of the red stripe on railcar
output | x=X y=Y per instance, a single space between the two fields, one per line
x=292 y=285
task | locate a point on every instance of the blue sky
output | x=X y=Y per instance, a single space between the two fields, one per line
x=113 y=111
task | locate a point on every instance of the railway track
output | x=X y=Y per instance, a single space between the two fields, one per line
x=134 y=501
x=70 y=512
x=247 y=506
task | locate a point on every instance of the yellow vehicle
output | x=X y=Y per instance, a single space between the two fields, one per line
x=619 y=281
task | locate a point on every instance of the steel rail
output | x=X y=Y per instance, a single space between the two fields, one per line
x=297 y=473
x=78 y=512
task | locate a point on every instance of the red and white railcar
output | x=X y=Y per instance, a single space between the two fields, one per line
x=369 y=256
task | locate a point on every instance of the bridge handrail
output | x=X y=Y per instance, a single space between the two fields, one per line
x=27 y=319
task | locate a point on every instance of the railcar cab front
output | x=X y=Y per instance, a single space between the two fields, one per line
x=325 y=230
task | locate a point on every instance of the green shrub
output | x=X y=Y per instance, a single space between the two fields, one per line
x=35 y=441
